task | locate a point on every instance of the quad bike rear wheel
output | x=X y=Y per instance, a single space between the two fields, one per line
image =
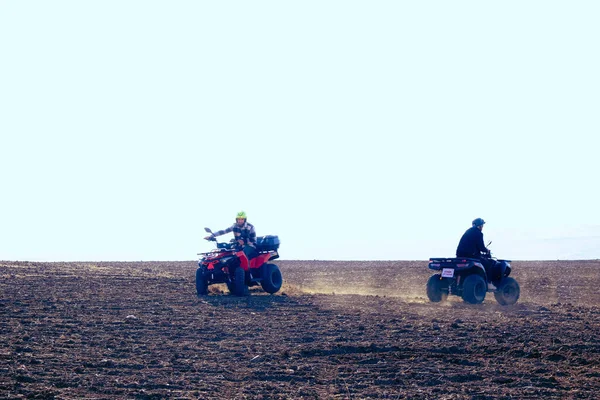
x=271 y=278
x=201 y=282
x=474 y=289
x=437 y=289
x=508 y=292
x=239 y=282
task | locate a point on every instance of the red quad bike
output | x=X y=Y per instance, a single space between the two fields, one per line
x=469 y=279
x=228 y=264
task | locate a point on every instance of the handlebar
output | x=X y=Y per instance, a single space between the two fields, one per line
x=222 y=247
x=231 y=246
x=487 y=254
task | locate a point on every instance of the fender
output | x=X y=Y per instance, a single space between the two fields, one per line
x=480 y=269
x=256 y=262
x=243 y=260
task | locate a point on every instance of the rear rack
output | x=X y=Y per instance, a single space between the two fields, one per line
x=451 y=259
x=436 y=263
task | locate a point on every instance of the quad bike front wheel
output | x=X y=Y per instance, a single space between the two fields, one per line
x=230 y=286
x=508 y=292
x=474 y=289
x=201 y=282
x=437 y=289
x=271 y=278
x=239 y=282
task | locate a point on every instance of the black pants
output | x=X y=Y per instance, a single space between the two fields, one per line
x=250 y=252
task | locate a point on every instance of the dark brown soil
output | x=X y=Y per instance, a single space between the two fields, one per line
x=337 y=330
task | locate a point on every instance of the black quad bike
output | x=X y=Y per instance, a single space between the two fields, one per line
x=229 y=264
x=471 y=280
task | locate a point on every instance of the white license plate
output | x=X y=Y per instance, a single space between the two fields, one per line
x=448 y=273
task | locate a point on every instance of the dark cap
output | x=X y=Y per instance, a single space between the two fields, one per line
x=478 y=222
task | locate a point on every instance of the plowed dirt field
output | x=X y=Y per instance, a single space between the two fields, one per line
x=337 y=330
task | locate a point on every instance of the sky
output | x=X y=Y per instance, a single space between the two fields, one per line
x=353 y=130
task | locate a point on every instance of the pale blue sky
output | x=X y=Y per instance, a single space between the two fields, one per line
x=353 y=130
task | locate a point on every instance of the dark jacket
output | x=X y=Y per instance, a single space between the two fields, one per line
x=471 y=244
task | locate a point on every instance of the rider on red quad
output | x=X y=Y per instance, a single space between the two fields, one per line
x=243 y=232
x=471 y=245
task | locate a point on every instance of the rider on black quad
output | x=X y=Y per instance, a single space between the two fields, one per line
x=471 y=245
x=471 y=242
x=472 y=273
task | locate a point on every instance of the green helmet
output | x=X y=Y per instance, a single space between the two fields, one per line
x=241 y=214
